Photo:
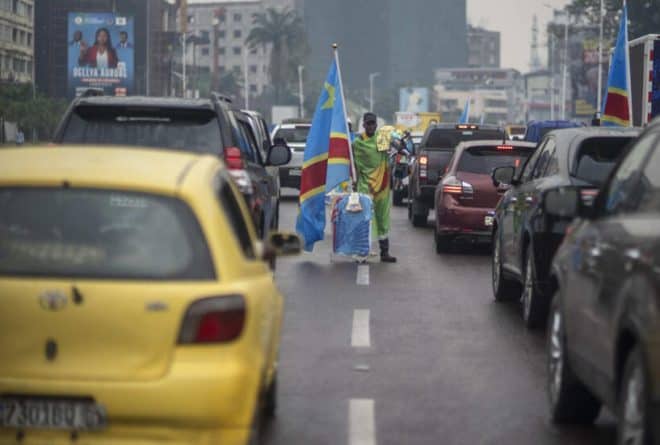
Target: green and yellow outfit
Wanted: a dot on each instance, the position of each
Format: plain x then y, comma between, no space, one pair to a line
373,178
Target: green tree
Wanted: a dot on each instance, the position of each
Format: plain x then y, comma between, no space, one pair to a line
282,31
37,115
643,15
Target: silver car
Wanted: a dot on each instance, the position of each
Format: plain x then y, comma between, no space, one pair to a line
295,135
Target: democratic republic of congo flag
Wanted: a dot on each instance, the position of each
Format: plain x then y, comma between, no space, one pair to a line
327,159
617,107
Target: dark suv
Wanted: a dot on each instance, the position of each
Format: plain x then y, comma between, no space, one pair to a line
524,237
205,126
434,153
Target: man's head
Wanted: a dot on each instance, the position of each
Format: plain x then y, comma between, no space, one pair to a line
77,36
370,123
123,37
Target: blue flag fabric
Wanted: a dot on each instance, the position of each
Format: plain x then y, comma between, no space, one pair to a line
326,162
616,108
465,116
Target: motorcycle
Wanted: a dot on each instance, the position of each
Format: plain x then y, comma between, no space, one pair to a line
400,160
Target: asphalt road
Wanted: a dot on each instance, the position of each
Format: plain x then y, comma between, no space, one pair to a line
418,353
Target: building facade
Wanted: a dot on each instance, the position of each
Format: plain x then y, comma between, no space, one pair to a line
483,48
404,41
16,40
152,42
218,31
497,95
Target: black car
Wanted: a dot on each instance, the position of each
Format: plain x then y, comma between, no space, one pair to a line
604,325
205,126
434,153
524,238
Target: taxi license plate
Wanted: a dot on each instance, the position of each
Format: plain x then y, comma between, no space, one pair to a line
294,172
488,221
51,414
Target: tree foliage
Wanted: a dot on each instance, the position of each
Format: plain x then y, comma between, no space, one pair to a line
283,32
643,15
39,115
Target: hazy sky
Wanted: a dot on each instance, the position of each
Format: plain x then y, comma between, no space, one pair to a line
513,19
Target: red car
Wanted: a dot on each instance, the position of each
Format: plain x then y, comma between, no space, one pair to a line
466,198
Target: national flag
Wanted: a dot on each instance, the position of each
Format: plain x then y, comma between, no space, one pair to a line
617,109
465,117
327,161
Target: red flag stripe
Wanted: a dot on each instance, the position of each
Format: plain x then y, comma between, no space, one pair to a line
617,106
338,148
313,176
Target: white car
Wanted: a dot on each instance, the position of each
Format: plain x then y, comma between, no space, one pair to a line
295,135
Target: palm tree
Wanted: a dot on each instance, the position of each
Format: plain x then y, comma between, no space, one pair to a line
282,31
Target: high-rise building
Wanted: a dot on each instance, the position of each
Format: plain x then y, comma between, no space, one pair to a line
16,40
403,40
228,22
144,65
483,48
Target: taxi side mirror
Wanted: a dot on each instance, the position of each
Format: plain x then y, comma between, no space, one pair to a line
563,202
503,175
279,154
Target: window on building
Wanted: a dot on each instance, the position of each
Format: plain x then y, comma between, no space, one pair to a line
236,68
14,35
222,69
236,50
237,33
253,69
238,17
205,51
29,67
29,39
253,51
205,36
221,34
14,7
222,50
253,88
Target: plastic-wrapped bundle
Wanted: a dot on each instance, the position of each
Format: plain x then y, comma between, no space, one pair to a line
352,230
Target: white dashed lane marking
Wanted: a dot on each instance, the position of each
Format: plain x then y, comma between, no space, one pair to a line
362,278
362,426
360,336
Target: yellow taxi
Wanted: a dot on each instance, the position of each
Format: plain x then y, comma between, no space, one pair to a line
136,305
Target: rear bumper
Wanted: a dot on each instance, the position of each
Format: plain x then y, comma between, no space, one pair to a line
287,179
206,397
452,219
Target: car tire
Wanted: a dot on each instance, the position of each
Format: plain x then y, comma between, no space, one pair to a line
634,410
570,400
534,306
420,214
397,198
410,210
443,243
503,288
270,399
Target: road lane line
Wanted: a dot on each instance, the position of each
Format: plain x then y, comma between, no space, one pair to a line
362,278
360,336
362,424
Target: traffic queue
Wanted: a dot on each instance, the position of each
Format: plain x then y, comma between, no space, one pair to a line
573,224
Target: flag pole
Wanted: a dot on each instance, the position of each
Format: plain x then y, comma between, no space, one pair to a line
343,101
629,85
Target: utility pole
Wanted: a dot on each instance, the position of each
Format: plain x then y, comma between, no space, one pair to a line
246,90
564,74
301,93
552,76
599,104
183,18
372,77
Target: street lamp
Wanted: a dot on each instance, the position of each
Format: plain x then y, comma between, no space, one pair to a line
600,60
301,93
372,77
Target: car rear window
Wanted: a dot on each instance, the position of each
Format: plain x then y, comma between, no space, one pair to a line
483,160
596,157
451,138
173,128
297,135
63,232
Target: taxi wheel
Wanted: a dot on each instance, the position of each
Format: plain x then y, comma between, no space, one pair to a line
534,306
635,414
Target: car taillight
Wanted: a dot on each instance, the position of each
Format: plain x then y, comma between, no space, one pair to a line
588,196
213,320
233,158
455,187
423,166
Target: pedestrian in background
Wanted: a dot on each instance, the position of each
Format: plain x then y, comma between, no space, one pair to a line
373,178
20,137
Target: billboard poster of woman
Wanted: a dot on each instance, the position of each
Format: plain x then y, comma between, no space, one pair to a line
100,53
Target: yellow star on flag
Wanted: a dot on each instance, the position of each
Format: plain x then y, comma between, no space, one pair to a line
330,103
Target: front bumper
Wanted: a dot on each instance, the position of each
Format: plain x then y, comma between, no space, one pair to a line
457,220
290,177
205,398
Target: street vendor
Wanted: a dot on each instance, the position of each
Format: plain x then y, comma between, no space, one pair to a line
373,178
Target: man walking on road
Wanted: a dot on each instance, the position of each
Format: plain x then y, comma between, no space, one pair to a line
373,178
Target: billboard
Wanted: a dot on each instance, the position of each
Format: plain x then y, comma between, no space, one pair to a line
583,70
414,100
101,53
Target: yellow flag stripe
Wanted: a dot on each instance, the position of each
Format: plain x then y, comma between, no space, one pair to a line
313,192
335,161
617,91
320,158
338,135
615,120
